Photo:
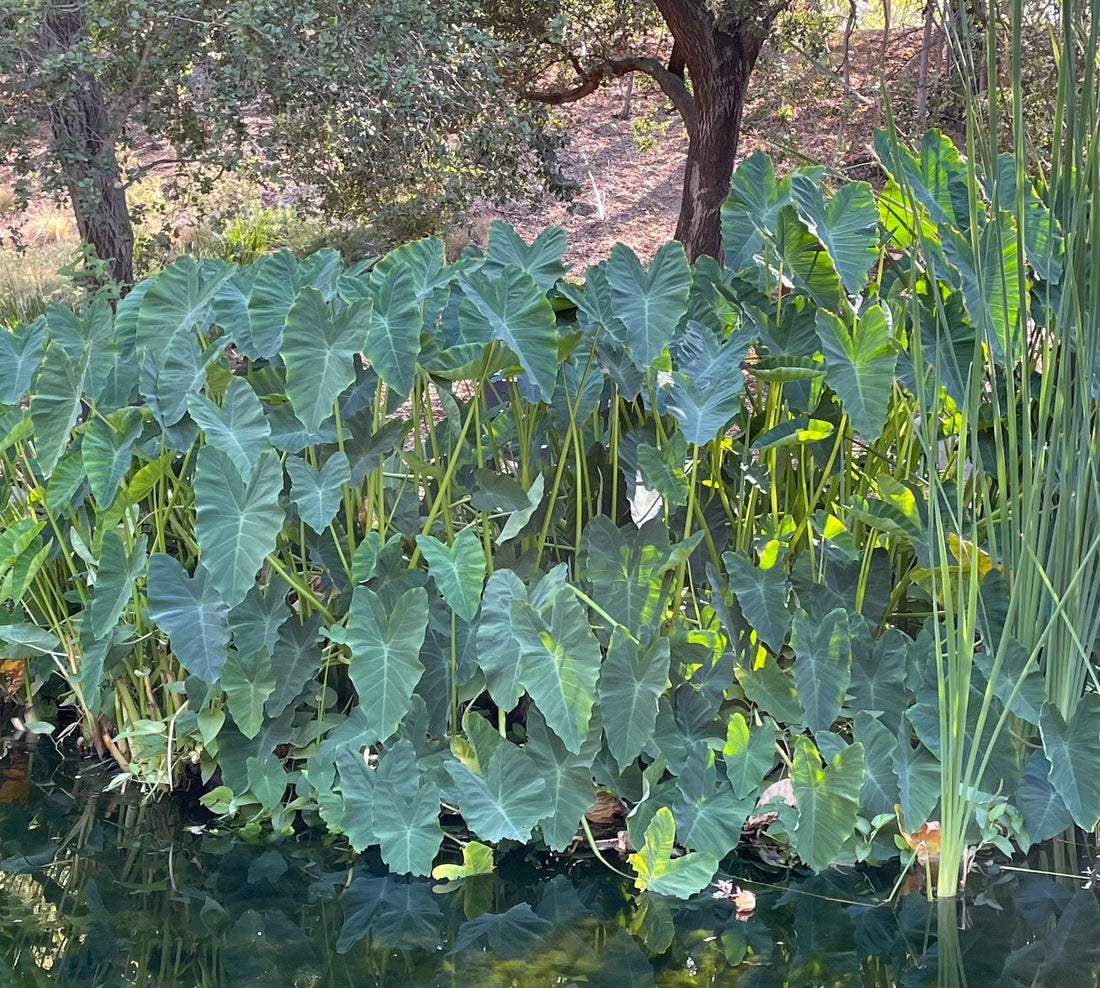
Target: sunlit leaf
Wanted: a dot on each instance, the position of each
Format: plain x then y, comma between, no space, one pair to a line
649,302
238,427
458,570
632,680
847,226
656,869
822,665
828,801
748,755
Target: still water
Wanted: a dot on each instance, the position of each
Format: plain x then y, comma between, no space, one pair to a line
101,889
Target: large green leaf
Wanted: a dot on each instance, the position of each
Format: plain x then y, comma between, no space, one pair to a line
632,680
238,428
21,352
993,290
458,570
385,654
860,366
847,226
295,660
879,792
274,289
706,381
396,321
317,494
510,307
650,302
541,259
771,688
317,349
55,406
237,522
179,299
508,802
498,652
939,179
802,260
569,784
192,613
256,620
918,772
828,801
749,211
1073,750
822,665
748,755
561,663
248,681
107,449
710,814
115,577
658,871
357,785
1044,812
627,567
762,594
406,827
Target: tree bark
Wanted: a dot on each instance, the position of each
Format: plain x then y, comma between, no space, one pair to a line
84,144
719,54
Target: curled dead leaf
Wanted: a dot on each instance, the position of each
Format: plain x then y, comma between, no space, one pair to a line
607,809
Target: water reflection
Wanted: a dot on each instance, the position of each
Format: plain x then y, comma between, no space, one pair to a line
99,889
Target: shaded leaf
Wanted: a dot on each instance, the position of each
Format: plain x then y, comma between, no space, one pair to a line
508,802
649,302
238,427
632,680
458,570
318,494
192,613
248,681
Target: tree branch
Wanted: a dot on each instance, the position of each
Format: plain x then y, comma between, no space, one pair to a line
591,79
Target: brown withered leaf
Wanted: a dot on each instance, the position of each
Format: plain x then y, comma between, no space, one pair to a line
607,809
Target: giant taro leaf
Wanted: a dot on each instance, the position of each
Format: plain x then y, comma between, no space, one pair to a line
706,381
192,613
393,340
569,784
650,302
938,179
318,347
508,802
55,406
248,681
20,354
510,308
1044,812
709,812
458,570
295,659
632,679
541,259
658,871
847,226
802,260
627,567
385,654
828,801
406,826
749,211
748,755
274,289
561,663
1073,749
238,427
179,299
822,665
115,577
107,450
237,522
762,595
860,366
317,494
498,651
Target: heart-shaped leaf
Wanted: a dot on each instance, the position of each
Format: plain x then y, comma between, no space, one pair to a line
632,680
385,654
396,321
55,406
541,259
706,382
649,302
21,352
317,494
238,428
458,570
115,577
407,827
569,784
658,871
1073,749
847,226
192,613
107,450
822,666
248,681
828,801
762,595
508,802
237,522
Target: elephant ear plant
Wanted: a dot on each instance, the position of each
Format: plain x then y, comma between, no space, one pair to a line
424,550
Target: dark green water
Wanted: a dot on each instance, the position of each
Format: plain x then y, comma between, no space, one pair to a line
100,889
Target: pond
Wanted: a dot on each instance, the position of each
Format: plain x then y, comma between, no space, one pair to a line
100,888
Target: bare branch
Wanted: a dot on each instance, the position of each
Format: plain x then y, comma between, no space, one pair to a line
592,78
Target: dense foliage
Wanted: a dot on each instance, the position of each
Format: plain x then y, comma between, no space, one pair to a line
677,533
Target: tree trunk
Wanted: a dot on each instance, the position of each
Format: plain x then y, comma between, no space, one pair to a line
719,58
84,144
